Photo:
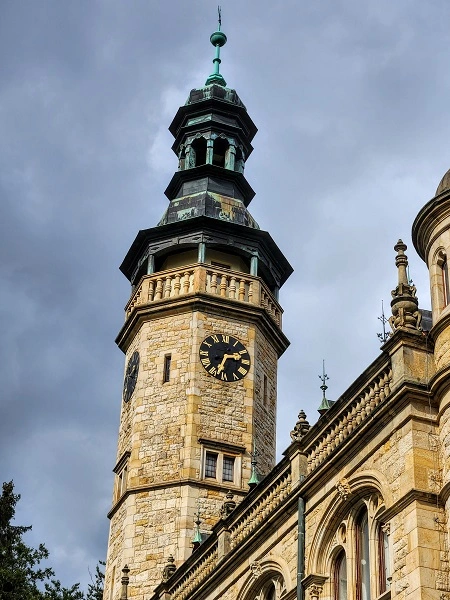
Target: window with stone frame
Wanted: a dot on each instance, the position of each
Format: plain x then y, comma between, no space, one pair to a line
221,462
365,537
121,471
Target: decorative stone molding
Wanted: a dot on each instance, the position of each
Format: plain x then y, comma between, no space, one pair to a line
256,569
343,488
315,591
301,427
169,568
404,304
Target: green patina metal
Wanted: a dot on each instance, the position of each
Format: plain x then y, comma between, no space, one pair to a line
217,39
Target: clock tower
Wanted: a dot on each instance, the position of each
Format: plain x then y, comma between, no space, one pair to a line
201,338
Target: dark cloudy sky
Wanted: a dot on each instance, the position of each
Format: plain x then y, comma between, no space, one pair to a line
351,101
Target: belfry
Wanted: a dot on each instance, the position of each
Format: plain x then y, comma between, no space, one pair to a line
202,336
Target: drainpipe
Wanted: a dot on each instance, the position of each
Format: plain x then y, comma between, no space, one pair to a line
300,548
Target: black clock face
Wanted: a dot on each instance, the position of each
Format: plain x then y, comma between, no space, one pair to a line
224,357
131,375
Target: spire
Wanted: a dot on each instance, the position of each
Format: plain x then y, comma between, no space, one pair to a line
254,478
197,540
217,39
404,303
325,404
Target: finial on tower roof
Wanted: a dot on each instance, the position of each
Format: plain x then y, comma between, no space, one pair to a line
325,404
383,337
218,39
404,303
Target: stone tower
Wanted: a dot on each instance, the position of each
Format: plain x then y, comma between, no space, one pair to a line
202,336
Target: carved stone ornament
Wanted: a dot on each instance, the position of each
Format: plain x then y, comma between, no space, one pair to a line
301,427
404,304
256,569
169,568
228,506
315,591
386,528
343,488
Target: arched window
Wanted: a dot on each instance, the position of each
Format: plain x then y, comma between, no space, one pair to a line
270,592
198,146
220,149
340,577
445,282
362,557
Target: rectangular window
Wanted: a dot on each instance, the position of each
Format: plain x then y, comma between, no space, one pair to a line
211,465
228,468
166,373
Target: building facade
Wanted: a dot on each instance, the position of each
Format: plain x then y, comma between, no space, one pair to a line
357,508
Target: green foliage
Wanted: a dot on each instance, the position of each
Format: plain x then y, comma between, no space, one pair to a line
95,589
20,566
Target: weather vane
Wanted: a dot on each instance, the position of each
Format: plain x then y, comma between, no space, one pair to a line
383,337
323,378
219,10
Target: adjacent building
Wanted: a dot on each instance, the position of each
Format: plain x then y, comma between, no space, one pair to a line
357,508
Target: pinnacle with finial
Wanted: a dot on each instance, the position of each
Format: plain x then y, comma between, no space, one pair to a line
197,540
325,404
404,303
217,39
254,478
301,427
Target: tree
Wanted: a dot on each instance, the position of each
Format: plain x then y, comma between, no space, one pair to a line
20,569
95,589
55,591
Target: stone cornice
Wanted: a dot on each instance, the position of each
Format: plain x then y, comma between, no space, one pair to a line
424,229
217,305
177,483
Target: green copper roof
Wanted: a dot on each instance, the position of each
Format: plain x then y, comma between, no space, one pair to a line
217,39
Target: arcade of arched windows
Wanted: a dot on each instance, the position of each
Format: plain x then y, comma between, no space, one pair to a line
355,557
211,149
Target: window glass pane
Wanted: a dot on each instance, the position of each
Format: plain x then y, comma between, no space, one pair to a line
363,547
341,578
228,468
270,593
210,465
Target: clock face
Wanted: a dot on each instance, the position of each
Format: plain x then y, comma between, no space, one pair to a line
131,375
224,357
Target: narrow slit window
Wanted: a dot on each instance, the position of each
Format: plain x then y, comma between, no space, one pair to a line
265,398
166,373
228,468
211,465
445,282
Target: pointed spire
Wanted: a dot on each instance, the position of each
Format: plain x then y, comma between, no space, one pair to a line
217,39
404,303
325,404
301,427
254,478
197,539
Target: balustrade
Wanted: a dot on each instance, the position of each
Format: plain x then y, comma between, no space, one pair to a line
350,418
204,279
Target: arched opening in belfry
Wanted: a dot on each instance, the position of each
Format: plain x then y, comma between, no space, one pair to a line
182,159
239,161
220,148
199,147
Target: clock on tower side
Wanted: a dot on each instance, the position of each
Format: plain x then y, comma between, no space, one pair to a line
202,336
